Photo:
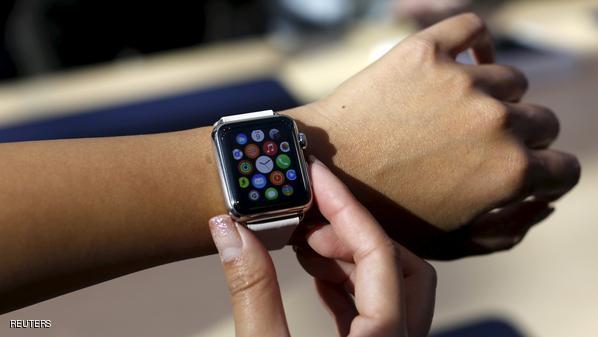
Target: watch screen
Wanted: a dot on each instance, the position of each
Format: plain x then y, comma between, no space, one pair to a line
261,165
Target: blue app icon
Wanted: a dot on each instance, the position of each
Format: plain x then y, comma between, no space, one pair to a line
237,154
275,134
241,138
287,190
259,180
254,195
291,175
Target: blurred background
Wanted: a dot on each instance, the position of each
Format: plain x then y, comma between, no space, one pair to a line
85,68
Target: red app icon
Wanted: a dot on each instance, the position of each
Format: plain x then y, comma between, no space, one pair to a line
277,178
252,151
270,148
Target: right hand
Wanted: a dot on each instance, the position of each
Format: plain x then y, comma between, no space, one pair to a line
447,142
393,290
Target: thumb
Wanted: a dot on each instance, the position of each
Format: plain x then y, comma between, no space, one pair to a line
251,278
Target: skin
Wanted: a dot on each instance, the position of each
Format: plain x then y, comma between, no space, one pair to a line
370,285
440,144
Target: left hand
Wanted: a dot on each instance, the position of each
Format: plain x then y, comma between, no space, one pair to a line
446,155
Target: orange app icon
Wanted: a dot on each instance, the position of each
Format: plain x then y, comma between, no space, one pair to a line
252,151
277,178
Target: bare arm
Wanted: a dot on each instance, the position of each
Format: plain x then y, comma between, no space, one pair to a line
416,137
76,212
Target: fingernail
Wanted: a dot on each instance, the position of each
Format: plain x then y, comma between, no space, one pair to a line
226,237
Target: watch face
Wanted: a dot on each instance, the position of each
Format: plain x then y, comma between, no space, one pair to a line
262,165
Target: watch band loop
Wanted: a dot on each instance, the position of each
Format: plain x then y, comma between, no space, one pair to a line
275,234
246,116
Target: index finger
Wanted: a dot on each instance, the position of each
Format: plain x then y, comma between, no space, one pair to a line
378,277
459,33
353,224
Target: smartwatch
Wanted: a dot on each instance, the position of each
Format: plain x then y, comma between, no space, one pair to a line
263,173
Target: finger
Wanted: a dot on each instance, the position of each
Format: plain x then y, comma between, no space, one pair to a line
493,231
378,276
420,292
534,125
353,224
502,82
506,227
251,280
325,242
553,173
459,33
339,304
333,271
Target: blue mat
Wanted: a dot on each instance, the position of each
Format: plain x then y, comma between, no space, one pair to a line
161,114
483,328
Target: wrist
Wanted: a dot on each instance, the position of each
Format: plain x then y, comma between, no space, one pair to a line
323,133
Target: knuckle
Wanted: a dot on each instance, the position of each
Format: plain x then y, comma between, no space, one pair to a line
389,248
495,114
519,165
463,80
257,281
518,77
551,121
474,21
421,48
573,169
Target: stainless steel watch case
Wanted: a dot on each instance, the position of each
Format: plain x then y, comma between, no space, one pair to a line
300,141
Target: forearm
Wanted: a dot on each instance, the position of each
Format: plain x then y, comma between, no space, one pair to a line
77,212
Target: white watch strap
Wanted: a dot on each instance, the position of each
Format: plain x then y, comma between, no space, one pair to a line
246,116
275,234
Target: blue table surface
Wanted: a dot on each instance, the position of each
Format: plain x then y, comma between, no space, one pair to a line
161,114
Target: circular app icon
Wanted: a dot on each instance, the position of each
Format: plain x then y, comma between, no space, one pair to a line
252,151
276,178
271,193
264,164
259,180
243,182
285,147
237,154
254,195
270,148
287,190
241,139
291,175
283,161
245,167
257,135
275,134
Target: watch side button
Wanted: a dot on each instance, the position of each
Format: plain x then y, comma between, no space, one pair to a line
302,140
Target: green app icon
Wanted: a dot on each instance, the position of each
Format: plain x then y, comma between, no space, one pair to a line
243,182
271,193
283,161
245,167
